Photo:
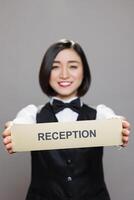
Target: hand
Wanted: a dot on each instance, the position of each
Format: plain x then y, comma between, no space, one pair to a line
7,137
125,132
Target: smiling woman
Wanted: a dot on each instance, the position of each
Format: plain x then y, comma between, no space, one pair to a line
59,174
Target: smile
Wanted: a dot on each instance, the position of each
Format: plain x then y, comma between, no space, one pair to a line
64,83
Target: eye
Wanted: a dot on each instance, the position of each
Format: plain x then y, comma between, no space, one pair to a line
55,67
73,66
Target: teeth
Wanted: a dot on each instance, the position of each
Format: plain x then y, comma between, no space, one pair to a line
64,83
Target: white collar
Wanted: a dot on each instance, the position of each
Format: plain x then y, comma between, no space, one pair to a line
65,101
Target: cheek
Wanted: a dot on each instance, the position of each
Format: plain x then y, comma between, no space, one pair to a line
51,79
52,76
78,76
81,76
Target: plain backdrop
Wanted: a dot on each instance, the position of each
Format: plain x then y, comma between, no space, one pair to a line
105,29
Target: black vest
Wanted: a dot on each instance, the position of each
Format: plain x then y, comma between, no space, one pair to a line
75,174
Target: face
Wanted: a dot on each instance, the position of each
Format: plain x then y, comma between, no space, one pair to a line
66,74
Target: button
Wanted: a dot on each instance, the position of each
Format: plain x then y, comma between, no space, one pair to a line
69,178
70,195
69,161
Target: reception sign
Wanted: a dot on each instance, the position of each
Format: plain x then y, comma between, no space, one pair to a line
64,135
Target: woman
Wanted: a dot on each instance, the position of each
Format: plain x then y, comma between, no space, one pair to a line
75,174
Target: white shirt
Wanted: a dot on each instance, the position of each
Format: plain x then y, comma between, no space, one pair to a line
28,114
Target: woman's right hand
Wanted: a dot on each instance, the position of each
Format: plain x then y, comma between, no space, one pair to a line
7,137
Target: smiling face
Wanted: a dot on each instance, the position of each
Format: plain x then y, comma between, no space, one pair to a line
66,74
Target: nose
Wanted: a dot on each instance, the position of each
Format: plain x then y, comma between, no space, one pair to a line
64,74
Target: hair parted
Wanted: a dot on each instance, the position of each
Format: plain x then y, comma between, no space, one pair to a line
47,62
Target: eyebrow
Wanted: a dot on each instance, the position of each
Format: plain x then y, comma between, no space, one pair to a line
70,61
73,61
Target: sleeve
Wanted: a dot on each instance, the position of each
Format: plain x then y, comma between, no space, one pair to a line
104,112
26,115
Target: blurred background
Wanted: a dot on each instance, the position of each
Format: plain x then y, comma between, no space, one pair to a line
105,30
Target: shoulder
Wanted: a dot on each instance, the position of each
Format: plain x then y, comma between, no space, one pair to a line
27,114
102,111
105,112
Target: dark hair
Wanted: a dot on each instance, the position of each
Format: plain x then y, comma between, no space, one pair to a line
47,62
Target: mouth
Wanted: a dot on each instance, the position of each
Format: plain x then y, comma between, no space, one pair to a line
64,83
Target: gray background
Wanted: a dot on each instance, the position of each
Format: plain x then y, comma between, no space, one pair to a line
105,29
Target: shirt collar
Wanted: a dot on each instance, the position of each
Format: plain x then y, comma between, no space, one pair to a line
65,101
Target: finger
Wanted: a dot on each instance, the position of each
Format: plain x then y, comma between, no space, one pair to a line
124,144
8,124
7,140
125,140
10,151
126,124
6,132
9,148
125,132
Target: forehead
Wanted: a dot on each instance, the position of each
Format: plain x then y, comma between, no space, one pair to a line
67,55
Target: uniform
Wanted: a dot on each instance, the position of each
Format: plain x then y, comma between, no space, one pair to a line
67,174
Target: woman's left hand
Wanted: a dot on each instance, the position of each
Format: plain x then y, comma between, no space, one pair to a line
125,132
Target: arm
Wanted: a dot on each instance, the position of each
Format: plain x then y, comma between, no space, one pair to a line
26,115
